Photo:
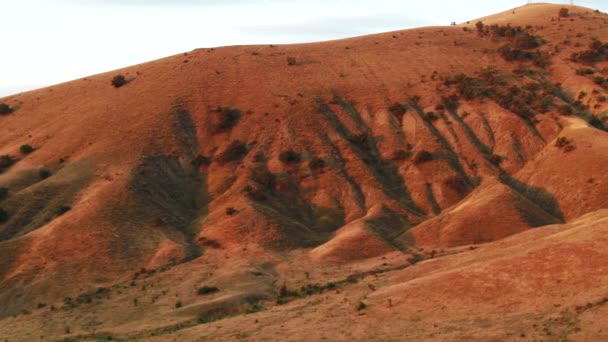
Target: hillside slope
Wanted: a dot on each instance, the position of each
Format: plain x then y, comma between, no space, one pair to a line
252,166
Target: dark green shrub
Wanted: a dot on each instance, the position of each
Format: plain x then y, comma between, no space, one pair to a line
401,155
398,110
289,157
228,118
4,215
263,177
6,161
201,160
3,193
178,304
44,173
230,211
207,290
563,12
585,71
423,157
431,116
359,139
235,151
316,163
599,80
597,52
26,149
62,210
361,306
118,81
5,109
496,159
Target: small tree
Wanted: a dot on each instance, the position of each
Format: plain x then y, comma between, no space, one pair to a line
207,290
5,109
316,163
4,215
6,161
118,81
44,173
289,157
26,149
563,12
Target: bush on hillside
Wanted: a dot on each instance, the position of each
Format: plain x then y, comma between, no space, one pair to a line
423,157
563,12
235,151
207,290
118,81
6,161
228,118
4,215
397,109
5,109
290,157
316,163
26,149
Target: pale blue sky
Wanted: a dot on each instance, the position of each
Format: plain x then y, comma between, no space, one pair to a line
45,42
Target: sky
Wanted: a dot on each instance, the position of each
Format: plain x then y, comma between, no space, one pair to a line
45,42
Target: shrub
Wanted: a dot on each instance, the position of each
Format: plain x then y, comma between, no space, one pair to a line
401,155
201,160
26,149
3,193
263,177
292,61
431,116
178,304
565,144
289,157
230,211
597,52
44,173
423,157
599,80
361,306
496,159
397,109
561,142
207,290
359,139
585,71
118,81
5,109
62,210
316,163
228,118
563,12
235,151
565,109
4,215
6,161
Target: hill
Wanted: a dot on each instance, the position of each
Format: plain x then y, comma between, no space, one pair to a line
286,184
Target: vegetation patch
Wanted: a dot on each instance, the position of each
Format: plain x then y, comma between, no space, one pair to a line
5,109
237,150
205,290
227,118
119,81
597,52
6,161
290,157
